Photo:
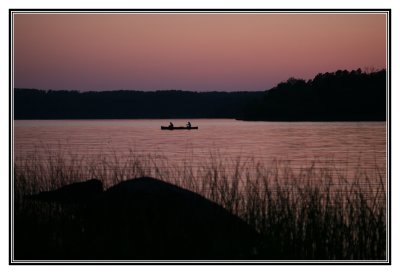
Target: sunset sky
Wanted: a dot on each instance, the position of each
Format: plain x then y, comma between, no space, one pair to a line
198,52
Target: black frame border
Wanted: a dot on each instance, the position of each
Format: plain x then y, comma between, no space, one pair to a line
388,260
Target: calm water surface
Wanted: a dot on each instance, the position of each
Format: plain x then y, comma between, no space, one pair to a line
345,145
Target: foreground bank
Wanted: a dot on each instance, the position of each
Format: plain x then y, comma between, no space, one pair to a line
275,214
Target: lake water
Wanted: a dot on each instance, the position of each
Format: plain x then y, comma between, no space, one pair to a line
348,146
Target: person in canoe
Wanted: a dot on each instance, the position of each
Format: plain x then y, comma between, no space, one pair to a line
171,125
188,125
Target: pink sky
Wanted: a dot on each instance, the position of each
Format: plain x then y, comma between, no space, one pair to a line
190,51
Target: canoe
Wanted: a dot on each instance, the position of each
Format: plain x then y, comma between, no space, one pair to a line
173,128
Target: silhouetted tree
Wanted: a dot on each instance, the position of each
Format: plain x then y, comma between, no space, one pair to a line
340,96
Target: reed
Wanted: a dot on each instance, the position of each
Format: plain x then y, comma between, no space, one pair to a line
314,212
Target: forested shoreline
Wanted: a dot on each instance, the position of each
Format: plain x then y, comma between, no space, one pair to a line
338,96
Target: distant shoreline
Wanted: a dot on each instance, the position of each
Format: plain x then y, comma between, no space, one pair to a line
203,118
335,96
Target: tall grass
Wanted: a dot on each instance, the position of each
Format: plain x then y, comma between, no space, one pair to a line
312,213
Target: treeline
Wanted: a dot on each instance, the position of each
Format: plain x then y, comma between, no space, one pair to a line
61,104
339,96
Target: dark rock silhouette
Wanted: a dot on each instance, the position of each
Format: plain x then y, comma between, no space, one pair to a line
140,219
73,193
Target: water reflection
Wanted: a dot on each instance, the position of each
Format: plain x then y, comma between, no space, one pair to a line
348,146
